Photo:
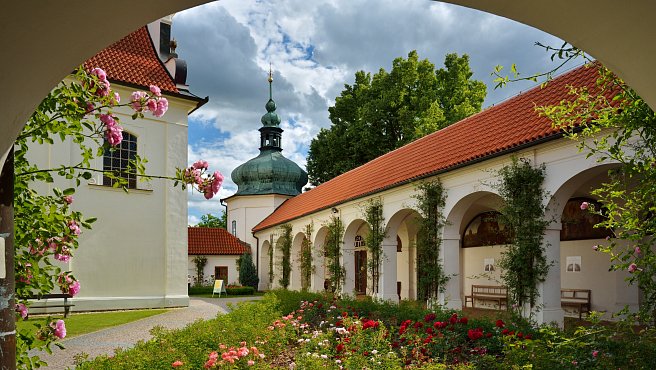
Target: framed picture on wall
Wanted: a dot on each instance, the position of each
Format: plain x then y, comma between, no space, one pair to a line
573,264
488,264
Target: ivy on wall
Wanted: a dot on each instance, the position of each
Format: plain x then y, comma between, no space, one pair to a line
285,244
373,214
200,262
333,253
523,262
305,257
431,279
271,272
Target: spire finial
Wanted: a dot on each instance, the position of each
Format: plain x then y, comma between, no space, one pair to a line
270,81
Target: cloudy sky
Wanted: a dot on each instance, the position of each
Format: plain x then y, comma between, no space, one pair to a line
315,48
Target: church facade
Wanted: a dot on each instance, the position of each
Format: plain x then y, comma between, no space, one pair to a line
136,254
465,157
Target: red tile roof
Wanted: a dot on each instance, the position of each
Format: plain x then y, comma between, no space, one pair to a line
214,240
499,129
134,60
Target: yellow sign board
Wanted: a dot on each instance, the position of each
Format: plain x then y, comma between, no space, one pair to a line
219,288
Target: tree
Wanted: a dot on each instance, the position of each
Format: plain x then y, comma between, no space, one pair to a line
210,220
247,271
380,113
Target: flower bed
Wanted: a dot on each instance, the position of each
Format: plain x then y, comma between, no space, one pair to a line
326,333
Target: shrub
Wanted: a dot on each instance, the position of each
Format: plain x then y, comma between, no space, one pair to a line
247,272
197,290
240,290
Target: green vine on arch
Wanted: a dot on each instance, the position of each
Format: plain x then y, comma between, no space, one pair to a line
373,214
431,278
305,257
271,272
285,243
333,253
524,263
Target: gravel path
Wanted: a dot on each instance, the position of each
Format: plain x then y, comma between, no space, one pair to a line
127,335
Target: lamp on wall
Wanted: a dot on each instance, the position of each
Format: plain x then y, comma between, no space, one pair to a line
334,210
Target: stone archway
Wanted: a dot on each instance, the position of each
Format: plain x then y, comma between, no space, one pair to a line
265,283
320,275
400,256
458,216
356,227
295,260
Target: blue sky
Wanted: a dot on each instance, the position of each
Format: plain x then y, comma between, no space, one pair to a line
315,48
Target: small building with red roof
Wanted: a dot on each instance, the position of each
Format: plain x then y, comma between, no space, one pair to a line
465,157
221,251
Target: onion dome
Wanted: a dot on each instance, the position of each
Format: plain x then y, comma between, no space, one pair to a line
270,172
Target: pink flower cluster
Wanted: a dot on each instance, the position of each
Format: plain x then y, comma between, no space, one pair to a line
59,329
22,309
154,102
232,354
113,132
68,284
209,185
102,87
74,227
68,199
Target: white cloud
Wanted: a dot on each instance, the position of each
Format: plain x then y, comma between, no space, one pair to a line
315,48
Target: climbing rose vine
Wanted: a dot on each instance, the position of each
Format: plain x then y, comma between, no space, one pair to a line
82,110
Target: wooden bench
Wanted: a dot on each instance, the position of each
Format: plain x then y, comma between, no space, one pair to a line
65,304
578,298
495,293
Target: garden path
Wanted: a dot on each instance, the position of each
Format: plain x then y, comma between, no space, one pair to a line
127,335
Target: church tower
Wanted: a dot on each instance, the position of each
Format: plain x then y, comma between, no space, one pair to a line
264,182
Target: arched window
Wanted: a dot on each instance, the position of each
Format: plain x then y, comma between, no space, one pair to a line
359,241
118,159
485,229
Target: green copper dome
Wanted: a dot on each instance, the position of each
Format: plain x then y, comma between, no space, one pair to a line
270,172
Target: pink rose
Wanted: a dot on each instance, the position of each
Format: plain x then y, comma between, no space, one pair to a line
584,206
595,247
22,309
59,329
162,107
633,267
151,104
155,90
637,250
137,100
251,362
98,72
200,165
177,363
217,181
595,353
68,199
74,288
73,226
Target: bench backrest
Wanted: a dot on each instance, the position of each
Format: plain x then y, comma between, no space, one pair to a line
577,294
489,289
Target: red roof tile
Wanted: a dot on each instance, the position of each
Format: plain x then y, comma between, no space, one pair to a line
214,240
133,59
501,128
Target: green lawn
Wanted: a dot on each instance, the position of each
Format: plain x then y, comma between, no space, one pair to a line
223,295
83,323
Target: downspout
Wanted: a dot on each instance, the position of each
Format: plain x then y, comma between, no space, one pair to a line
226,212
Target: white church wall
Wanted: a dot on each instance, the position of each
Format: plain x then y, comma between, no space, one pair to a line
134,257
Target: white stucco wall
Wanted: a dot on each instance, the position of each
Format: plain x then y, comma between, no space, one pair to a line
213,261
469,191
135,255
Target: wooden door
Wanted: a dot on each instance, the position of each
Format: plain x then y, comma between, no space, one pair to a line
361,272
221,273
